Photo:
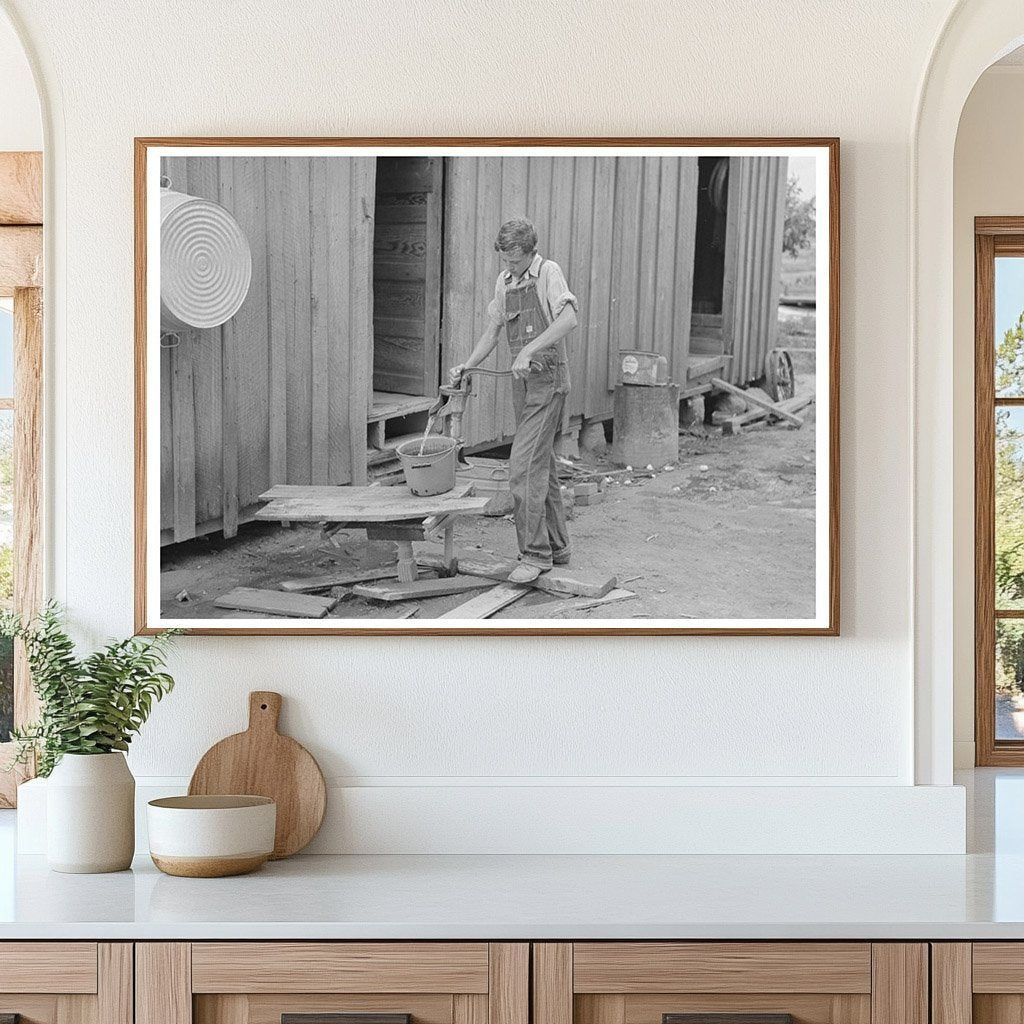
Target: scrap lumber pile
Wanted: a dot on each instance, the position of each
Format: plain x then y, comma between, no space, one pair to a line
760,408
490,575
483,578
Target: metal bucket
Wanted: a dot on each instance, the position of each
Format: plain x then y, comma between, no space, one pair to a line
205,262
433,471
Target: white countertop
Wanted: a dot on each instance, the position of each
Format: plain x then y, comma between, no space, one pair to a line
977,896
495,897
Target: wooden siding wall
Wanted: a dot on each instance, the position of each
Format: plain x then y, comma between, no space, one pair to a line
757,208
280,393
622,229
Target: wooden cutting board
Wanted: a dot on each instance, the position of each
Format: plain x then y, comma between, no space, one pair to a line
262,762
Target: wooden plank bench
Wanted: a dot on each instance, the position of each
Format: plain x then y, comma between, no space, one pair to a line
386,513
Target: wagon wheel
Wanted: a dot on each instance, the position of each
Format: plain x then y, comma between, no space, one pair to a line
780,381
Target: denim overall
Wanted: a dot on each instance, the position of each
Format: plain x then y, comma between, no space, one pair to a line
538,400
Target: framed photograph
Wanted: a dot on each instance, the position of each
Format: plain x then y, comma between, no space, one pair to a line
487,386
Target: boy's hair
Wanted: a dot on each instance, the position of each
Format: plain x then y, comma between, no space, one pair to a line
516,234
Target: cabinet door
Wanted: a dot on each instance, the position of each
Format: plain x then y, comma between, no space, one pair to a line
332,983
66,983
981,982
730,983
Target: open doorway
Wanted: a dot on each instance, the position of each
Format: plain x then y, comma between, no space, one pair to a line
407,277
407,255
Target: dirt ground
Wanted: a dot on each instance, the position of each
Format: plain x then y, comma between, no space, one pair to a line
728,532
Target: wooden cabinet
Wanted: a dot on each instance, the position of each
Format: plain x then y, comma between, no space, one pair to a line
759,982
66,982
494,983
306,982
977,983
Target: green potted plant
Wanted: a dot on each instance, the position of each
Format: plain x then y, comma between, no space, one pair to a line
90,707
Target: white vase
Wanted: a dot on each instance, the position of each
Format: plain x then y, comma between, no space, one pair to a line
90,814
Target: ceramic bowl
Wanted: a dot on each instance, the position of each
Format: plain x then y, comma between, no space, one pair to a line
211,836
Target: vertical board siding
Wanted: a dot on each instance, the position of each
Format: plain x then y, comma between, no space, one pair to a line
514,203
685,249
280,393
202,180
580,248
594,332
457,328
359,329
251,327
757,188
339,254
491,392
622,230
320,329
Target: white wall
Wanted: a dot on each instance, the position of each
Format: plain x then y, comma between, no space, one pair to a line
428,717
21,127
987,181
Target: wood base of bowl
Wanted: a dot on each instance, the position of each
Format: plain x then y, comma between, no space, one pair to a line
209,867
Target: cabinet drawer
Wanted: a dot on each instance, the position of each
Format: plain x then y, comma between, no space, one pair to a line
332,983
730,983
66,982
66,967
749,967
340,967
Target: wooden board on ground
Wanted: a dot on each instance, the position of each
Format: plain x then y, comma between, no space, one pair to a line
483,606
772,407
557,609
276,602
557,581
314,504
418,590
311,584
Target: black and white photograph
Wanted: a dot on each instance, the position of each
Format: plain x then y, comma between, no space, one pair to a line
431,386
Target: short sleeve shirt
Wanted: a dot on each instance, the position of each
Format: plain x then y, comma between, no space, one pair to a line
552,289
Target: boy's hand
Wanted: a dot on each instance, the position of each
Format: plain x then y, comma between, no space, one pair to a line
523,366
456,372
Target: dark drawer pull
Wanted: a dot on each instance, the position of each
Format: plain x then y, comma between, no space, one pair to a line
727,1018
340,1018
10,1018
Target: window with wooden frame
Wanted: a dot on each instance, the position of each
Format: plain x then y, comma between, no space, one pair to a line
21,365
999,490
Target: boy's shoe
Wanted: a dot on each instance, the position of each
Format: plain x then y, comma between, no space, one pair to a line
561,557
525,573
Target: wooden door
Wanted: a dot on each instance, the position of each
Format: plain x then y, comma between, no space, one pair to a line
407,275
977,983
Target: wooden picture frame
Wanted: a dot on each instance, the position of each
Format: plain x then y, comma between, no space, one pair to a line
993,237
21,282
328,225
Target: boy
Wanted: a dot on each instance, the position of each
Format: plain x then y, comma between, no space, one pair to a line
532,304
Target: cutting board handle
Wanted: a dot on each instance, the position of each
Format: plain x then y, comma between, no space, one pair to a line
264,710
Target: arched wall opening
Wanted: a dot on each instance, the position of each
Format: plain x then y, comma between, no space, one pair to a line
976,34
989,154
